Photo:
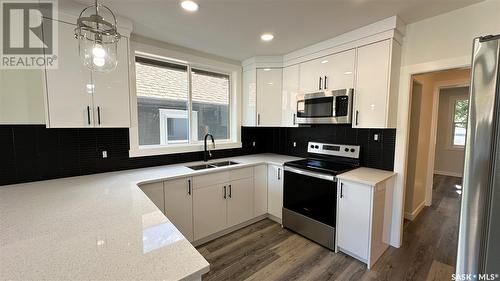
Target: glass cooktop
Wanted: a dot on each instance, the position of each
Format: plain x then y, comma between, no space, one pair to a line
322,165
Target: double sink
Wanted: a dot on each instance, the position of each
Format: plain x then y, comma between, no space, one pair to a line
212,165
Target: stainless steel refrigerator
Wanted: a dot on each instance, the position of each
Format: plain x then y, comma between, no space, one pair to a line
479,229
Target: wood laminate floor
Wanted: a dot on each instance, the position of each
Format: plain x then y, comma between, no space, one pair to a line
265,251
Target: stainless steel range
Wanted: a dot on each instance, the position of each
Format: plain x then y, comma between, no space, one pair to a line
310,190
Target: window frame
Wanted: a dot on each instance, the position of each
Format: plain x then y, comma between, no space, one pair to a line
451,143
231,70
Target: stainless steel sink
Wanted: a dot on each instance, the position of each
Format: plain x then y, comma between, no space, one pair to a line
212,165
202,167
224,163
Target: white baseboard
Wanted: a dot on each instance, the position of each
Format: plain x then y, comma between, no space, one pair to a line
411,216
451,174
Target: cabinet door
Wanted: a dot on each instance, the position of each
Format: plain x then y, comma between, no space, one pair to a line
339,70
209,210
179,205
68,87
240,206
275,190
111,92
260,189
154,191
353,218
249,98
269,97
310,74
372,85
289,97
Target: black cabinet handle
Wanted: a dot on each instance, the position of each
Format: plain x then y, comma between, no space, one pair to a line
189,187
326,83
98,115
225,194
258,119
230,189
320,82
341,190
294,119
88,114
357,113
279,173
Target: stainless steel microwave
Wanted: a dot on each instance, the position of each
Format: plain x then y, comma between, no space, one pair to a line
329,107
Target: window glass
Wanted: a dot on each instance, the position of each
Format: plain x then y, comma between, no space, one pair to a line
162,102
210,99
460,114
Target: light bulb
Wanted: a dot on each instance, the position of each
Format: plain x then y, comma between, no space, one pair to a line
98,61
98,51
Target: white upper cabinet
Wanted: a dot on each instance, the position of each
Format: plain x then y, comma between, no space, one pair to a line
269,103
249,98
77,97
289,96
328,73
111,92
375,91
69,86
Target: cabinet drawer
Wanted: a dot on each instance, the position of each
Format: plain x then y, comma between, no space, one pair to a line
222,177
242,173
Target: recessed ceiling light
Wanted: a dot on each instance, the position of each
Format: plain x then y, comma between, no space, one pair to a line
189,5
325,61
267,37
267,69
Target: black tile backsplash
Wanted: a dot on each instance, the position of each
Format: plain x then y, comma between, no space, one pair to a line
375,154
33,152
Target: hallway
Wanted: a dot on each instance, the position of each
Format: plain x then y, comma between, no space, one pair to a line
265,251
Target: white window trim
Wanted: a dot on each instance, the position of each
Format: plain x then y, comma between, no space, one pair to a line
451,123
154,52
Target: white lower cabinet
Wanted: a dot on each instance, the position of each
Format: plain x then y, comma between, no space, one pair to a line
240,203
155,193
179,205
209,210
363,224
260,190
275,190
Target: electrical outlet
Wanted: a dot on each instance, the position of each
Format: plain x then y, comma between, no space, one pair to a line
104,154
253,144
294,144
375,137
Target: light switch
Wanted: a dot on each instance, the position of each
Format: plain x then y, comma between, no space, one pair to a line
294,144
375,137
104,154
253,144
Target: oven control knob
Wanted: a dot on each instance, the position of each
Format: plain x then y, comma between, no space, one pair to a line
316,146
352,150
346,149
312,146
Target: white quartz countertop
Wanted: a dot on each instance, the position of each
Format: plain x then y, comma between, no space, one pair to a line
366,176
99,227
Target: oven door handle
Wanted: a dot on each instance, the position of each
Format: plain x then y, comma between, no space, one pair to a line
311,174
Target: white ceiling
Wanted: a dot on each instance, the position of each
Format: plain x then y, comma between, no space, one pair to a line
232,28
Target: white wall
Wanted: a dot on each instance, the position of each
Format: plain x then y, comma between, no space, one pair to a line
448,160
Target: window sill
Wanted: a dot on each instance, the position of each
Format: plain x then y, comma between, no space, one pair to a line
180,148
455,148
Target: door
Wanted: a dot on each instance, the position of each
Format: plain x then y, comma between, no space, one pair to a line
111,92
240,206
179,205
311,76
372,86
154,191
269,97
68,87
353,219
275,190
209,210
339,70
289,98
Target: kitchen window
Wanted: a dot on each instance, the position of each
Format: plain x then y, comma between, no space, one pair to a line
459,122
177,105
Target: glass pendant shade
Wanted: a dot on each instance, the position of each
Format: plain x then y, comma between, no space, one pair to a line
98,38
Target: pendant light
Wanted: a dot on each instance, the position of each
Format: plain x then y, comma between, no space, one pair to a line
98,38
